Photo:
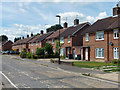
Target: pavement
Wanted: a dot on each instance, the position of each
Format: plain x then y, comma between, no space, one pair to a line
43,74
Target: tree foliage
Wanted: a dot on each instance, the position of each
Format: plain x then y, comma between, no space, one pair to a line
48,49
3,38
54,28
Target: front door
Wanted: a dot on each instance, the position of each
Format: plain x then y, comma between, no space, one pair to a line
86,54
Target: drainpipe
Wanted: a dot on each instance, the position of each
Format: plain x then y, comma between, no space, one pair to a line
107,45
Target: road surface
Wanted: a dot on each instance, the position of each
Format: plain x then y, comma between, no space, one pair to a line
34,74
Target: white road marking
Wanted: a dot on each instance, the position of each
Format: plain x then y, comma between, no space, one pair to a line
9,81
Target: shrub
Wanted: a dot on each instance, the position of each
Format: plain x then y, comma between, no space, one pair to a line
35,56
23,54
29,55
39,51
56,55
48,49
116,61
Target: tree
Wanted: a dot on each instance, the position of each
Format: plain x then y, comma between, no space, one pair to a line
39,51
3,38
54,28
48,49
16,39
57,46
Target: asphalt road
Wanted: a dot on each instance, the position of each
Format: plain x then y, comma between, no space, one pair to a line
34,74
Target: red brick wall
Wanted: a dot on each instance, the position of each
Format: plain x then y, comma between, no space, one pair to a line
7,46
100,44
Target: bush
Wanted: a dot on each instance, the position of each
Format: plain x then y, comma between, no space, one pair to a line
23,54
39,51
29,55
56,55
116,61
35,56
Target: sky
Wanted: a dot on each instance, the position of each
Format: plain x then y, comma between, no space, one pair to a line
21,18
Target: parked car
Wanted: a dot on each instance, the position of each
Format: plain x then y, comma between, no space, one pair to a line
3,52
7,52
16,52
12,52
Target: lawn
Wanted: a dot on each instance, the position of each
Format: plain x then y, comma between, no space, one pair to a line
90,64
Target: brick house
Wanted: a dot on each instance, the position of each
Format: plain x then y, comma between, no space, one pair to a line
38,41
6,45
101,40
70,39
22,43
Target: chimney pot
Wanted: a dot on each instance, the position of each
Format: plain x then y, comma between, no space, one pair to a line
27,36
116,10
41,31
23,37
65,25
76,21
20,38
31,34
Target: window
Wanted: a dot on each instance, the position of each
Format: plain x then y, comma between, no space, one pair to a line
61,52
99,52
52,41
31,50
36,43
116,53
31,44
68,39
23,45
100,35
87,37
62,40
116,34
40,43
47,41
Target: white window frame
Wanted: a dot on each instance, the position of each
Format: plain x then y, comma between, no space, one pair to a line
116,53
53,41
116,31
31,44
61,39
97,50
69,39
36,43
32,51
40,43
98,36
87,37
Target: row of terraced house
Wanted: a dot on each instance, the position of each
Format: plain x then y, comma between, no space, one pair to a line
94,42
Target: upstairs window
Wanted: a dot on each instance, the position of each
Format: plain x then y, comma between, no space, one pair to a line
62,40
36,43
100,35
53,41
116,34
68,39
31,44
87,37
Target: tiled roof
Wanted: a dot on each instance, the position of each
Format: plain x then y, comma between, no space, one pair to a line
23,41
103,24
40,37
67,31
56,34
4,42
73,29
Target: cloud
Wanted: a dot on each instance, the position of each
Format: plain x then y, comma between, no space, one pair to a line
22,10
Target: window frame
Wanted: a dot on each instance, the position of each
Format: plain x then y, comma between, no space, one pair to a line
114,31
87,37
97,33
53,41
116,51
36,43
99,50
69,39
62,40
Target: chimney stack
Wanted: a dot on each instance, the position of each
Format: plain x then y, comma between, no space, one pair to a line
31,34
76,21
116,10
27,36
20,38
65,25
23,37
41,32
